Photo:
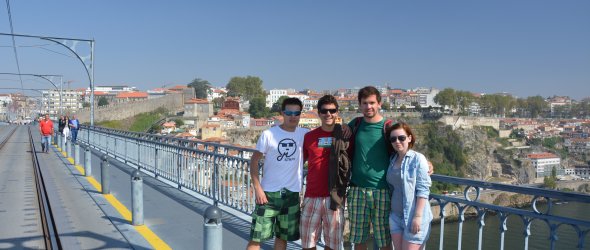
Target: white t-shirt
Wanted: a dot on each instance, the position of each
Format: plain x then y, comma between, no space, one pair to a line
283,159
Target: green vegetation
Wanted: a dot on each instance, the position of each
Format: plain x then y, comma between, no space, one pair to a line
111,124
500,104
258,108
138,123
551,181
102,101
248,87
442,146
202,87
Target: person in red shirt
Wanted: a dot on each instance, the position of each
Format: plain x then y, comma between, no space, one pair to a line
46,130
317,213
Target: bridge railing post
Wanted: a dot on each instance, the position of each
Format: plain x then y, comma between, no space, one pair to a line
137,198
212,229
104,175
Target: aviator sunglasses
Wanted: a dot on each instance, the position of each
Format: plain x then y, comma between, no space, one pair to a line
291,113
325,111
401,138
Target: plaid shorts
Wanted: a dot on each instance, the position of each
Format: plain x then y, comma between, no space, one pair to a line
369,205
317,216
279,217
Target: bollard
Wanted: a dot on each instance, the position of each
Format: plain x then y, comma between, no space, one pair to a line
55,138
68,147
87,161
104,174
212,229
137,198
59,142
76,154
63,144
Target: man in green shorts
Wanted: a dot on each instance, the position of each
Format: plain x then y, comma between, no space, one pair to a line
277,211
369,197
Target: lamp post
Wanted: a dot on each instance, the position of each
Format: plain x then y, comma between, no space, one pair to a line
45,77
89,68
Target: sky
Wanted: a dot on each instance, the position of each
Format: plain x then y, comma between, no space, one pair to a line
525,48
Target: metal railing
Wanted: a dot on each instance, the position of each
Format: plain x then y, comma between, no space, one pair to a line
221,172
471,201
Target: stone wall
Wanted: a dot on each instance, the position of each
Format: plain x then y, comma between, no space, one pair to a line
470,122
120,111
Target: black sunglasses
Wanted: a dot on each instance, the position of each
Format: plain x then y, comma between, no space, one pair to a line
325,111
401,138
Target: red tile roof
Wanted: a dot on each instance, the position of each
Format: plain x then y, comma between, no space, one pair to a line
132,95
197,101
542,156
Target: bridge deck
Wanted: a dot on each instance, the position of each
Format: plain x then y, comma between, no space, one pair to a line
19,209
87,219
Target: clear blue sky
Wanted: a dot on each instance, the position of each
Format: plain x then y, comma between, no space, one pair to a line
521,47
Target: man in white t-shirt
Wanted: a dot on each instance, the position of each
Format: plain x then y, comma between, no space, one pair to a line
277,209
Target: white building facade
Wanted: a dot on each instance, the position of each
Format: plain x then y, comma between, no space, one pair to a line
544,163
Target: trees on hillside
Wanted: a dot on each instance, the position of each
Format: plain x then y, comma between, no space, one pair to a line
248,87
496,104
201,87
258,108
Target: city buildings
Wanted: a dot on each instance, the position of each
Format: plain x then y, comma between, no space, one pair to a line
544,163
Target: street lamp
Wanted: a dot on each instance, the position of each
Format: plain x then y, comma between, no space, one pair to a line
60,90
89,68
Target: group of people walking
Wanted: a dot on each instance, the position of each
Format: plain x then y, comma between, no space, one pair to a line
68,128
367,165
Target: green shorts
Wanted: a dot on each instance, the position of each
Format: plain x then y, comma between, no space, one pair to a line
369,205
279,217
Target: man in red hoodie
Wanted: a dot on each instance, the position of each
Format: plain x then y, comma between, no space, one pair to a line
46,130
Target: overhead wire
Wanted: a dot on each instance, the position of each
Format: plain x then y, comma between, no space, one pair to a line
14,44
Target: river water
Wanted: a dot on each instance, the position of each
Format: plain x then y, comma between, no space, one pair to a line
514,236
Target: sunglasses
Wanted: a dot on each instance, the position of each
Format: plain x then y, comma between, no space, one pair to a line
325,111
401,138
291,113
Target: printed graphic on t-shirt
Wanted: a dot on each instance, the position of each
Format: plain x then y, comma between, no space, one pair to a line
287,148
324,142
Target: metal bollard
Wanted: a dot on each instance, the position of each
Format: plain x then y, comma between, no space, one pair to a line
104,175
76,153
59,142
68,147
63,144
87,161
137,198
55,138
212,229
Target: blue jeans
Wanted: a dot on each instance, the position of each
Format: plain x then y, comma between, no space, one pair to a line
74,134
45,142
